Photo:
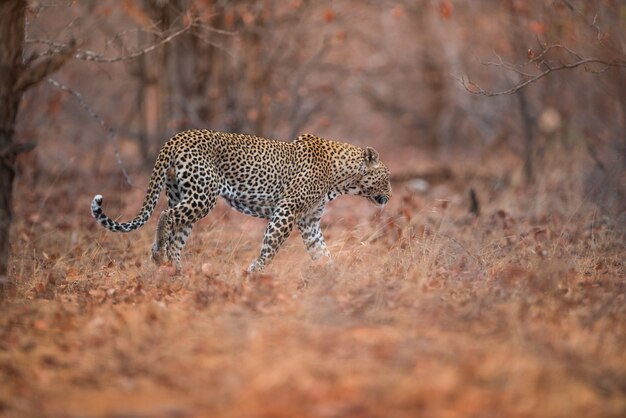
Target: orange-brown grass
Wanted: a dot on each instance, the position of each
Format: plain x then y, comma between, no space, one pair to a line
426,310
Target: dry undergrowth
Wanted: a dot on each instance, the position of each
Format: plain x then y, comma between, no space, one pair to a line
426,311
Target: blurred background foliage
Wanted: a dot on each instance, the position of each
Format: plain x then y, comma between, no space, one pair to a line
389,73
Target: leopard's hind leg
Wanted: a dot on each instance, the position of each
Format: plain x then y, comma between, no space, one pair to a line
161,251
186,206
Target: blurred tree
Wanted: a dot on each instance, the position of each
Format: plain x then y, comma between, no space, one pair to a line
20,70
245,67
17,74
248,70
156,73
556,38
409,79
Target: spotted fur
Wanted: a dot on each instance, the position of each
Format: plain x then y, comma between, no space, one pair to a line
287,183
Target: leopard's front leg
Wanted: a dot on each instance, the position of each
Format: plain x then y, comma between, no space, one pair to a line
278,229
309,226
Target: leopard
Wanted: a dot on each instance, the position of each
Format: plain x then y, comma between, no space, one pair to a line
288,183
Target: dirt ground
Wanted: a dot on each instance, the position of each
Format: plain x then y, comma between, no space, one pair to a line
426,310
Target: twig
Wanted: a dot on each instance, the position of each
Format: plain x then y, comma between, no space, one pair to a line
87,55
538,60
37,71
593,23
110,131
476,89
507,66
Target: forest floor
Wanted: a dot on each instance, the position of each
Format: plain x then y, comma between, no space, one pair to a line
426,310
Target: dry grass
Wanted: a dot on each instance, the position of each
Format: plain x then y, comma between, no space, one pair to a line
426,311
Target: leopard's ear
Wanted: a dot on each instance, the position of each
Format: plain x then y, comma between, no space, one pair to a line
371,157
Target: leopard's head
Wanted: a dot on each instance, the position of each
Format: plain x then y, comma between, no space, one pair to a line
373,183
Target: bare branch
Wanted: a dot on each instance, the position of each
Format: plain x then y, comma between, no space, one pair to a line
507,66
593,23
34,73
12,148
87,55
110,131
540,60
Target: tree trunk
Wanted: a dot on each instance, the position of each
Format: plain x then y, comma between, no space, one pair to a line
528,127
11,44
16,77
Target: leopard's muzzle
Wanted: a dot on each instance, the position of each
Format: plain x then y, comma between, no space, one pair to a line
380,200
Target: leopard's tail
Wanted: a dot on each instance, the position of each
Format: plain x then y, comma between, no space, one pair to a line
157,180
